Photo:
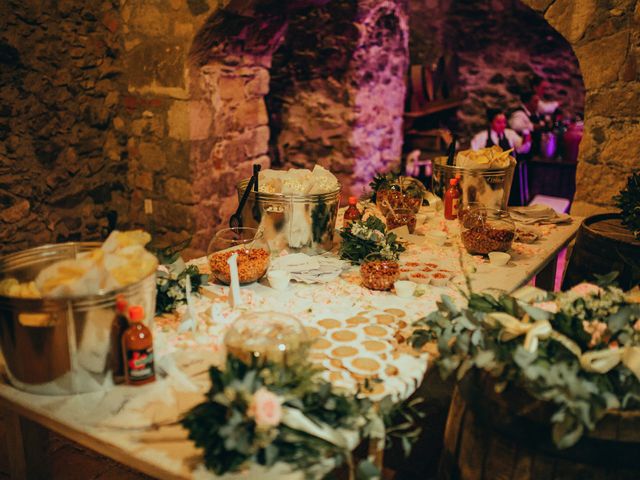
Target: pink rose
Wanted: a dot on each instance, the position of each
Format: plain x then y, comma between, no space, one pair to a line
265,408
585,289
551,307
636,326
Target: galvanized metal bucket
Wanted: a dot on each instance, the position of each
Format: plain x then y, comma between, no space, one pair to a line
61,346
297,223
489,187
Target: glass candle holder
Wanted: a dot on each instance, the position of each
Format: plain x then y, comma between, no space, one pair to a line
259,337
378,272
413,192
487,230
251,248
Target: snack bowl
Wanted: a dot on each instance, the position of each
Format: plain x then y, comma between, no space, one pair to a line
378,272
439,279
279,279
499,258
487,230
252,252
405,288
437,237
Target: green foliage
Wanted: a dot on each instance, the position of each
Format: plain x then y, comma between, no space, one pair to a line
628,201
470,338
171,279
230,437
381,180
364,237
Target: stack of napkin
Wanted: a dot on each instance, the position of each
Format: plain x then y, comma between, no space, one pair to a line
310,269
539,214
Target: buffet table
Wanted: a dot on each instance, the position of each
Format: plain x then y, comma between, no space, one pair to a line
136,425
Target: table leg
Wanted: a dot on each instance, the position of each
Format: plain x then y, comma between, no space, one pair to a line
546,279
27,444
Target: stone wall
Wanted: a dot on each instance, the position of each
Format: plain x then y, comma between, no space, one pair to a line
606,39
106,104
337,90
501,45
63,165
161,116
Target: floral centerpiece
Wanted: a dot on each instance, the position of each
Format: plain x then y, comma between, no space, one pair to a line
171,278
368,236
577,350
268,412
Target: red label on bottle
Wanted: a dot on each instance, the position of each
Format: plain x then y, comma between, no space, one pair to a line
140,364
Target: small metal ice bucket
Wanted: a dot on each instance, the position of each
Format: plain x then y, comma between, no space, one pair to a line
490,187
70,354
298,223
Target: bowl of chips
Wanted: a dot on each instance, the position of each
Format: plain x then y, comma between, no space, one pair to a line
57,305
485,176
296,209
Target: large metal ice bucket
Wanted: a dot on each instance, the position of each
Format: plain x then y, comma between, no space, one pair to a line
71,353
297,223
490,187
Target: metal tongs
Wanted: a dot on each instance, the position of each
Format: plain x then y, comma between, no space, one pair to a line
236,219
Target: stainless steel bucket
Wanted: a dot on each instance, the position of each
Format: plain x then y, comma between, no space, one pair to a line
70,353
297,223
490,187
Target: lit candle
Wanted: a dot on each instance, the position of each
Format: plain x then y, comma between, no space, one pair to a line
234,287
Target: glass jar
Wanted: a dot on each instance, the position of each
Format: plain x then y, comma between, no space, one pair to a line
389,197
252,254
379,272
466,208
259,337
413,192
401,216
487,230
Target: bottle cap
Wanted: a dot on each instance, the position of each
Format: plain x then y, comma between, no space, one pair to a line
353,200
136,313
121,304
453,181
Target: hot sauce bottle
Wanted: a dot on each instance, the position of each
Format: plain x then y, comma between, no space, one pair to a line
452,200
118,327
352,213
137,349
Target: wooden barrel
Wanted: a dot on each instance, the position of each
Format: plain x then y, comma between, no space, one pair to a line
602,246
508,436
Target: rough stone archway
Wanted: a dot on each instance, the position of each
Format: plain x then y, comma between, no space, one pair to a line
606,42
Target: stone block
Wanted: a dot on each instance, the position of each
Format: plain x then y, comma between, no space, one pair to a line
571,18
601,60
258,86
144,181
147,19
539,5
622,146
174,216
617,101
583,208
598,183
16,212
256,141
250,114
178,120
152,156
200,118
179,191
230,88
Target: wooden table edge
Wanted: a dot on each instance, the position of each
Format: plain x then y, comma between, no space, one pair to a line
87,440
